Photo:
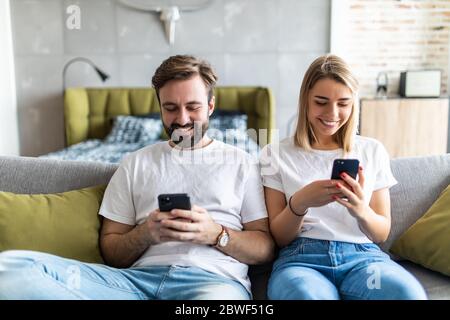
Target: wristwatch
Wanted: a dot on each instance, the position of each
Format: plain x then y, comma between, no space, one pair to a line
223,238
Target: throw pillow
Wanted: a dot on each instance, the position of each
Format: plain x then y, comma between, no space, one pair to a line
226,120
65,224
427,242
131,129
231,127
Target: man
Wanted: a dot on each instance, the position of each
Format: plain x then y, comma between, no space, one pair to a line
200,253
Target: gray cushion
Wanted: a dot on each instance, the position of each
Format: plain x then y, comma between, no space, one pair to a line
32,175
420,181
436,285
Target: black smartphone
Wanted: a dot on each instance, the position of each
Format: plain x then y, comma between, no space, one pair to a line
349,166
170,201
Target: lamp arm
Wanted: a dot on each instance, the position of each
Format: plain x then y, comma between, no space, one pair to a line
71,61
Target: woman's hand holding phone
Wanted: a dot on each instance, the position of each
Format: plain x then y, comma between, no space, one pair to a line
316,194
355,202
323,192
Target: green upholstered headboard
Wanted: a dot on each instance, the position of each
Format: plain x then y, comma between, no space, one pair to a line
88,111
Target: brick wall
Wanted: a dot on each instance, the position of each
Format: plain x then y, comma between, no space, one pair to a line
392,36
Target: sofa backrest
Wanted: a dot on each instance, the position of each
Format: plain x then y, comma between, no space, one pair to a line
37,175
420,182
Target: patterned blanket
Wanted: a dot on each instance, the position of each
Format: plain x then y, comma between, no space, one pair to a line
100,151
130,133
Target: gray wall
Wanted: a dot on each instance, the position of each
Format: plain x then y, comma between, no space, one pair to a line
250,42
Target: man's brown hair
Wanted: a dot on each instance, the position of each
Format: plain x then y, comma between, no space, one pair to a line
181,67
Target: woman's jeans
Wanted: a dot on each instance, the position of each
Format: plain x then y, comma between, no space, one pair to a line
35,275
319,269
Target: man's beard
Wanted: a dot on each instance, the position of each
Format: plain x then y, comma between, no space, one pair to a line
187,139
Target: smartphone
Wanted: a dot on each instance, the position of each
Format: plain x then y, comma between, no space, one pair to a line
349,166
170,201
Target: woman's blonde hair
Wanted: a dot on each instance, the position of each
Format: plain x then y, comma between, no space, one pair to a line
327,67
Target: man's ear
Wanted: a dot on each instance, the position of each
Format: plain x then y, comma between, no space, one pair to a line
211,105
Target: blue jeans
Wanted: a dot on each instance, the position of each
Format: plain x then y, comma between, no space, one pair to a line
35,275
330,270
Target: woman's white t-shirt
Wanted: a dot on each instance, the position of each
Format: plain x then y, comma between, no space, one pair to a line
288,168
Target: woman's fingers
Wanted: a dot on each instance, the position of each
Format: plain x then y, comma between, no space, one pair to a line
361,177
345,203
352,197
353,184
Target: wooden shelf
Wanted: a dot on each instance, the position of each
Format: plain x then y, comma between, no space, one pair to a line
407,127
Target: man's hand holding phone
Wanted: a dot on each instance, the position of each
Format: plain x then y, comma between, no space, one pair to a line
181,222
171,201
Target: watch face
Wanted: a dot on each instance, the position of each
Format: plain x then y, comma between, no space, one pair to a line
224,240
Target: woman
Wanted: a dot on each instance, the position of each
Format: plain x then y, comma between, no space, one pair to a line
328,228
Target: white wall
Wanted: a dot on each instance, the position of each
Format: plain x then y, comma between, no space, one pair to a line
9,142
338,26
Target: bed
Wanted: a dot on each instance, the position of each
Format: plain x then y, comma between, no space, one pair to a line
105,124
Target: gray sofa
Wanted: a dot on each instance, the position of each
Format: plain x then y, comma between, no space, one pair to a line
420,179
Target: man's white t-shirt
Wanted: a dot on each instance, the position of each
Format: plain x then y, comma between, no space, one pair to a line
288,168
222,179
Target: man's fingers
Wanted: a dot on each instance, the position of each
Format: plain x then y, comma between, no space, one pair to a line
186,214
176,235
158,215
184,225
198,209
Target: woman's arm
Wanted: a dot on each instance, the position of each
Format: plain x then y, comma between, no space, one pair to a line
377,223
286,222
374,219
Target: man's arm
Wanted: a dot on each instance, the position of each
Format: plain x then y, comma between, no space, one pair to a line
121,244
253,245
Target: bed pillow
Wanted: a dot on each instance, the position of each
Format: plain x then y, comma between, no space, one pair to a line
231,127
131,129
226,120
427,242
151,115
65,224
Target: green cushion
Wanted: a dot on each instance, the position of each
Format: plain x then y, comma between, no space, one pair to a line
65,224
427,242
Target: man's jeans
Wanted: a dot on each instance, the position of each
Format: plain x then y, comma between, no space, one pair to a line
35,275
319,269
